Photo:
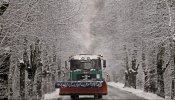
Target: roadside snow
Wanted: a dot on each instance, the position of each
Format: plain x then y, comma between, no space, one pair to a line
52,95
137,92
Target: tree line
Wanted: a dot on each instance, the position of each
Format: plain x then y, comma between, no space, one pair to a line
139,35
35,39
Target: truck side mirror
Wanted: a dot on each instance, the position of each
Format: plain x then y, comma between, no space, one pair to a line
66,65
104,63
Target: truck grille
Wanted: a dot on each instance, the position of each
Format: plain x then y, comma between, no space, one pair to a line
86,76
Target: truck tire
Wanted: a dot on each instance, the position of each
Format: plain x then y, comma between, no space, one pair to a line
99,96
74,97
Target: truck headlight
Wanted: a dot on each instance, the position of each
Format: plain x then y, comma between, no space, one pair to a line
98,76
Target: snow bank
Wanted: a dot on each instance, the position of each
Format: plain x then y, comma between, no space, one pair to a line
137,92
52,95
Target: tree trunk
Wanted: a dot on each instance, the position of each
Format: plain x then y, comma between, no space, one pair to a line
160,83
22,80
134,68
126,79
127,74
146,86
4,71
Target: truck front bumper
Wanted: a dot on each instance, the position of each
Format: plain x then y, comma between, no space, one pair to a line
84,91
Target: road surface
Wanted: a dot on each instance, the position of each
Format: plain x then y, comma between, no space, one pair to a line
114,94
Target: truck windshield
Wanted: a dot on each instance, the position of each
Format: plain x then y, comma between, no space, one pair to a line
84,64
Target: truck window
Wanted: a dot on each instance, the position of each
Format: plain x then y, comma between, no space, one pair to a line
91,64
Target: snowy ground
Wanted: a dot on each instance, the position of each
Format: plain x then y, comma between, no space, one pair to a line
137,92
52,95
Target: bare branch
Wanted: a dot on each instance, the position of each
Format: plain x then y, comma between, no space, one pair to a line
21,22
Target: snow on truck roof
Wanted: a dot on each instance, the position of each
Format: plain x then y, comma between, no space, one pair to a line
85,56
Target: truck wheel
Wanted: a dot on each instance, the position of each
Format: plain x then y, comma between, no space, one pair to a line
98,96
74,97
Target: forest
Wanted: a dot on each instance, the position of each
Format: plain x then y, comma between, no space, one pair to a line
135,36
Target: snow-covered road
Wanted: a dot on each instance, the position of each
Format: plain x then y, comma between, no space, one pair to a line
116,91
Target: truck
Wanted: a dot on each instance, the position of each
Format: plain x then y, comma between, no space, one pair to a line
85,77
